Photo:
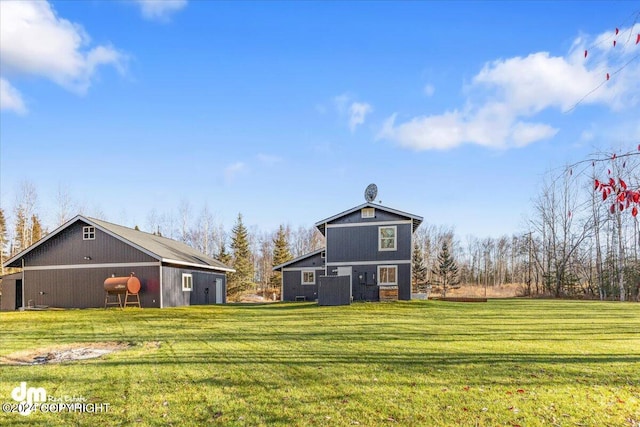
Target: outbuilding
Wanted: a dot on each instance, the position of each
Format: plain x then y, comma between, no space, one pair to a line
67,268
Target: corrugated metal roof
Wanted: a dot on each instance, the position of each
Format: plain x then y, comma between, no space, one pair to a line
300,258
169,250
162,248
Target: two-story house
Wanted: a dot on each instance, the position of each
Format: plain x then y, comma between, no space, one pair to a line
370,243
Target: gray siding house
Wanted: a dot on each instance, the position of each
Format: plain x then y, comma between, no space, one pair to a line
370,243
68,267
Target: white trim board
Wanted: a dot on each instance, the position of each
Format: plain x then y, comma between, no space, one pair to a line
381,262
318,268
366,224
84,266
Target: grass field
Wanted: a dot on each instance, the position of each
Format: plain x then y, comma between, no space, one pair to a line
432,363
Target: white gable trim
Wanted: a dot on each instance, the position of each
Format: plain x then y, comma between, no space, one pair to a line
364,224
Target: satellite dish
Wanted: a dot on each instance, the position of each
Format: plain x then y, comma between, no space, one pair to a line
370,192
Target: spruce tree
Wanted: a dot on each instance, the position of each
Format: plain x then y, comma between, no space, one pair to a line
242,278
447,270
224,256
281,254
418,268
36,229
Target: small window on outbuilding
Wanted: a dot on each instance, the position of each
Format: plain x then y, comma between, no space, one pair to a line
323,254
309,277
88,233
368,213
187,282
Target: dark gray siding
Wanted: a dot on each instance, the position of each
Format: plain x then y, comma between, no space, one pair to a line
312,261
68,248
360,243
174,296
8,290
356,217
404,282
84,287
365,281
292,286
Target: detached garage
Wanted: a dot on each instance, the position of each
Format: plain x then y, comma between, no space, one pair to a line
68,267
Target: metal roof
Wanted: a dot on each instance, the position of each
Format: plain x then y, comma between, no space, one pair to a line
162,248
300,258
417,220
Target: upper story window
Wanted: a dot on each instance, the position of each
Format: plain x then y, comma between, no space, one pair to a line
309,277
187,282
387,238
368,213
88,233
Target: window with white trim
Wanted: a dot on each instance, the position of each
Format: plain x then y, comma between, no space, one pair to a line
308,277
187,282
88,233
368,212
387,238
387,275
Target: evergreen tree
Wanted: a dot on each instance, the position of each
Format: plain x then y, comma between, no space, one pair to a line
242,278
281,254
447,271
36,229
224,256
3,240
418,267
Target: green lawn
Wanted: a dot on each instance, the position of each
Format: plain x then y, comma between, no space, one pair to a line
503,363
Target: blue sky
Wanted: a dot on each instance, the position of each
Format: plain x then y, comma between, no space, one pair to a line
285,111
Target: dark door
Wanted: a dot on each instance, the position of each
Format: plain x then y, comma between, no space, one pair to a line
18,294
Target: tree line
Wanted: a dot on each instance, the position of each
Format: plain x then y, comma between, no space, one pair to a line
576,243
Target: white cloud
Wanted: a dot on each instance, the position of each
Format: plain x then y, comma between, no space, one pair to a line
160,10
10,98
233,170
35,41
429,90
357,114
506,93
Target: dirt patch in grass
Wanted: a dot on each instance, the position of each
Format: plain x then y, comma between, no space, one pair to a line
64,353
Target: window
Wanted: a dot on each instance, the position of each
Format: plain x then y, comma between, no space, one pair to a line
309,277
88,233
187,282
388,275
387,238
323,254
368,213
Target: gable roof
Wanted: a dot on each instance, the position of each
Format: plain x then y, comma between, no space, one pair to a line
416,220
161,248
300,258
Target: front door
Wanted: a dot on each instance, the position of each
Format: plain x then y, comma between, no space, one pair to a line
18,294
